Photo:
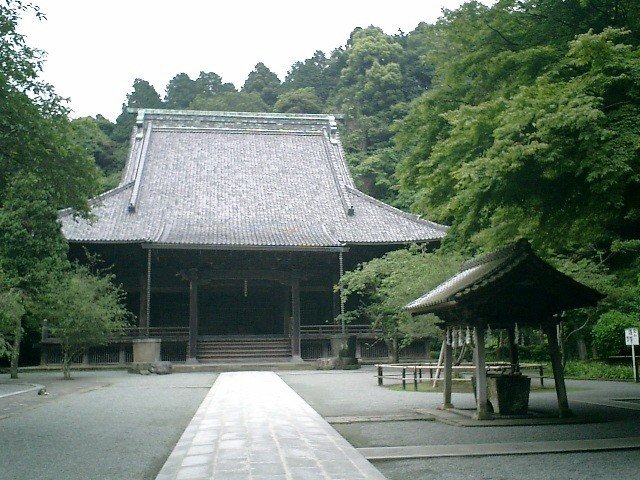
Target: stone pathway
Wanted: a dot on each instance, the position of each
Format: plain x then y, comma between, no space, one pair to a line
251,425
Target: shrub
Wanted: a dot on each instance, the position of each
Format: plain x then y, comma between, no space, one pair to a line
608,333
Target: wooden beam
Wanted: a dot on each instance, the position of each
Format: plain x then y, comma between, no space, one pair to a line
482,412
558,371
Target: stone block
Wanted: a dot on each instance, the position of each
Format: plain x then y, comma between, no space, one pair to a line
146,350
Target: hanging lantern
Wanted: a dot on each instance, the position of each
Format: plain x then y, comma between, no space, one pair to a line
246,288
454,339
460,337
448,336
468,336
516,334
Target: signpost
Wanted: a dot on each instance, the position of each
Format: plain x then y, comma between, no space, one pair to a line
631,338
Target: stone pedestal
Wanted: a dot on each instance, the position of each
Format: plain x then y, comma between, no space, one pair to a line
508,394
343,348
146,350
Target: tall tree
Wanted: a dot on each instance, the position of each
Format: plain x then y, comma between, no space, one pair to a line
264,82
181,91
310,73
142,95
210,83
303,100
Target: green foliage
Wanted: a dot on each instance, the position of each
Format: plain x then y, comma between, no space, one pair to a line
210,83
264,82
608,333
90,135
230,102
181,91
303,100
313,73
143,95
82,310
11,312
595,370
384,285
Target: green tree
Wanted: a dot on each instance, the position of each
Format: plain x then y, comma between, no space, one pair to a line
210,83
181,91
382,286
143,95
303,100
264,82
84,309
311,73
32,252
230,102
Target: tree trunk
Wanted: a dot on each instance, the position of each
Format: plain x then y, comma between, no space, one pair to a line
15,350
394,351
66,363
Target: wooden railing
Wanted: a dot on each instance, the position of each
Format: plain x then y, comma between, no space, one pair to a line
157,332
418,372
330,329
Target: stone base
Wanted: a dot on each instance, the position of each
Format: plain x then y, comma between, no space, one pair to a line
146,350
337,363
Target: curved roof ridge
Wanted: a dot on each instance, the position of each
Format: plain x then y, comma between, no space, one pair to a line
409,216
503,252
98,199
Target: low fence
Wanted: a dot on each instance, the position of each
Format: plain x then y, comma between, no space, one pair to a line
366,349
416,373
119,353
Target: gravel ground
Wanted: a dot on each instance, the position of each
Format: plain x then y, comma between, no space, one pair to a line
356,393
102,425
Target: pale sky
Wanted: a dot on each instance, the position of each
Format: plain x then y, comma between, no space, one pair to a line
96,48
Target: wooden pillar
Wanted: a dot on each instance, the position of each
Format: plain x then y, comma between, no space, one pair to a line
193,318
513,349
482,412
143,318
295,315
286,320
448,373
558,372
335,306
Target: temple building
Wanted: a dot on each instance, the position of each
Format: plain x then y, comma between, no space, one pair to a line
228,232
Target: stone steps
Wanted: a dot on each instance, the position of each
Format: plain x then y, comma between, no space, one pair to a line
240,349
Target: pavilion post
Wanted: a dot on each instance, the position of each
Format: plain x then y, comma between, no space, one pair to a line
295,315
482,412
193,319
513,349
558,371
448,373
143,318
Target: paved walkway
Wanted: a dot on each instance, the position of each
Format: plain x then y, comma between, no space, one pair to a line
251,425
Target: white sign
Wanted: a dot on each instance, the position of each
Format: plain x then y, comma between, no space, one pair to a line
631,336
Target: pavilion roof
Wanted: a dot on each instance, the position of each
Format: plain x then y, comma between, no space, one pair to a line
241,180
509,285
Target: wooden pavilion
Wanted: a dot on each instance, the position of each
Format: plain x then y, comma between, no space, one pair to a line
228,231
507,287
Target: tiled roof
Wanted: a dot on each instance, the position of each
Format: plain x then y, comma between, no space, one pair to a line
483,273
226,180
